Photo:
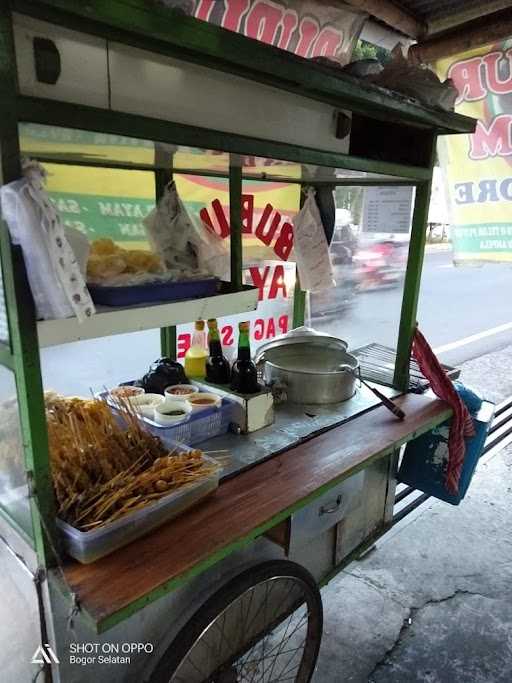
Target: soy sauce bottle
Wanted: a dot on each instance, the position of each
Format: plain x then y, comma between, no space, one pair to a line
244,376
217,366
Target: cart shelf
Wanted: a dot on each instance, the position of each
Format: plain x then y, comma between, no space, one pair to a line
120,320
243,508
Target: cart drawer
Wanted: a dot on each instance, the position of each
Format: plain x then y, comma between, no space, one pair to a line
57,63
327,510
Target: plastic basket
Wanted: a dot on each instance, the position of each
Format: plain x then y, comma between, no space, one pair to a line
89,546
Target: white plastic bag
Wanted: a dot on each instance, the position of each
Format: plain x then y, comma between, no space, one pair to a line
311,248
180,242
57,283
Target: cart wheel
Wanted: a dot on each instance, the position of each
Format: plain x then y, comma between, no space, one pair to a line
263,625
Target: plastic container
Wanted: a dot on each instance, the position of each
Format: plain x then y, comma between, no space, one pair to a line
156,292
202,424
89,546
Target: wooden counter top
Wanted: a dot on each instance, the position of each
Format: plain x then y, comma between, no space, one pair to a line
244,507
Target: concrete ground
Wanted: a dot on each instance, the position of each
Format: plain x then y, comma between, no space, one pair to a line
433,602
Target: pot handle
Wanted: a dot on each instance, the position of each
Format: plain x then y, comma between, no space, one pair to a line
345,367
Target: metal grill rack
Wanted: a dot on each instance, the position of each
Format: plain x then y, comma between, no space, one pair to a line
377,363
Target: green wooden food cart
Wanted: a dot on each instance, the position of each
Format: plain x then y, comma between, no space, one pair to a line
229,591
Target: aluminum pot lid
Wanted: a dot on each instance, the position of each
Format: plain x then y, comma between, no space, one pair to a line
300,335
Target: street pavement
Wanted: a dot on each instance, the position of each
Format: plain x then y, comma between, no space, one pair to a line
455,303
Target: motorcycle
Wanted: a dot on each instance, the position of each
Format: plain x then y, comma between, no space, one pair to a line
380,265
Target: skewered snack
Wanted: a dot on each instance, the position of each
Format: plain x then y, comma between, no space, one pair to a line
101,470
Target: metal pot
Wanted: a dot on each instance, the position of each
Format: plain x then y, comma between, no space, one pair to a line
305,366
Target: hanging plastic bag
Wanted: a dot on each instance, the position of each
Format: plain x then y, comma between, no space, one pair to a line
56,280
182,243
311,248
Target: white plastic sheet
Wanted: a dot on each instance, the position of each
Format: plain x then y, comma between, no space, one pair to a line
311,248
180,242
56,280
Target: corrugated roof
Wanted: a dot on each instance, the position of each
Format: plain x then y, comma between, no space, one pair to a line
431,10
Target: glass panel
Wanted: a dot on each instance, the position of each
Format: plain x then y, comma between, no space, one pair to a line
108,362
13,480
4,326
103,202
369,254
81,147
20,625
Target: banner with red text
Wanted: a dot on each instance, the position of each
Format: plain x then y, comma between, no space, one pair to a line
304,27
479,166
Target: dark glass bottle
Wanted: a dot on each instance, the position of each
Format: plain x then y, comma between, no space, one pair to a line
217,366
244,376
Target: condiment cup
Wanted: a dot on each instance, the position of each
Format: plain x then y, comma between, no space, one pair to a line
145,404
161,416
216,401
126,392
190,389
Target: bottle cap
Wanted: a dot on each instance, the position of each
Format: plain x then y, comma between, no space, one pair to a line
243,327
199,325
212,323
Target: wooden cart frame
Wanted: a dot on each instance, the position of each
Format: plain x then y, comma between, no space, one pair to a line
391,136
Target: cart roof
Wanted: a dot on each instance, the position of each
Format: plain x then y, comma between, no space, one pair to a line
159,29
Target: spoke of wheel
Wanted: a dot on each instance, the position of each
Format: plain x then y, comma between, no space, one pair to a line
281,645
286,652
280,653
284,641
262,642
273,584
285,669
222,636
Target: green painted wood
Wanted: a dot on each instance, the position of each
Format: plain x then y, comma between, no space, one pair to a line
412,281
159,29
22,321
235,222
52,112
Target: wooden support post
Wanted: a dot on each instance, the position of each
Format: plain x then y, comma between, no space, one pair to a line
235,221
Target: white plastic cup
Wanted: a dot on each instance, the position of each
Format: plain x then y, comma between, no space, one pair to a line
161,412
191,391
215,401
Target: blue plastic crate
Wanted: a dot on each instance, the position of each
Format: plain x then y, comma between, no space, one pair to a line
202,424
156,292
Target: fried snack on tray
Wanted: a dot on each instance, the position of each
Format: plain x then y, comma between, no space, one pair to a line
107,260
101,470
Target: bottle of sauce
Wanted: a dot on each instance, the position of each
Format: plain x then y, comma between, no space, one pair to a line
195,357
217,366
244,376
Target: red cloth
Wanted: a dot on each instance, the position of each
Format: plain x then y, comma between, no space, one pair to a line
462,424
